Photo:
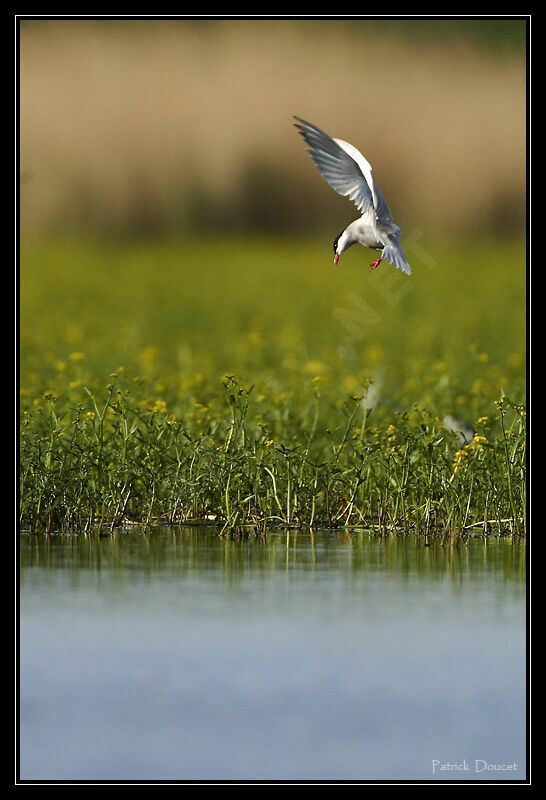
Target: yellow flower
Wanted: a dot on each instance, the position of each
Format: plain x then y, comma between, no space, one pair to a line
459,459
351,383
73,333
479,387
374,353
76,356
477,440
255,337
148,357
314,367
159,405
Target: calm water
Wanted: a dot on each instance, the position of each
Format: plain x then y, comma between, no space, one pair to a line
178,655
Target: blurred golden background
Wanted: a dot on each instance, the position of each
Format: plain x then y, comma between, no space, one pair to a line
151,127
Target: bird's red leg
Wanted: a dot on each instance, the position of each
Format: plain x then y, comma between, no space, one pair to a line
376,263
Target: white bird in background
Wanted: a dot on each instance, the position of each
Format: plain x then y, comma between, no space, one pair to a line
346,170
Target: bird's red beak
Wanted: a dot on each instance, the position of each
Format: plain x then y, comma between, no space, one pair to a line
336,259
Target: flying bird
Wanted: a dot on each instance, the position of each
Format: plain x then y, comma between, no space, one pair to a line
346,170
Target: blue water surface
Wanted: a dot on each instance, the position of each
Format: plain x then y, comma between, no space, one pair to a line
180,655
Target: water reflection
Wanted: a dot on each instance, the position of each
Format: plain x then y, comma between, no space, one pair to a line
185,549
180,655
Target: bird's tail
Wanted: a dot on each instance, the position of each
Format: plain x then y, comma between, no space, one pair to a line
393,253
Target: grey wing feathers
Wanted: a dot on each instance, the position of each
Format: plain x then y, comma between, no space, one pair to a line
394,254
384,212
337,167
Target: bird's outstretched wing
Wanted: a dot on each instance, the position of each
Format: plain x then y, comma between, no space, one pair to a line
345,169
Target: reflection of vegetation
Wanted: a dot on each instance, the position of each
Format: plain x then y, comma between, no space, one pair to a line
182,551
217,381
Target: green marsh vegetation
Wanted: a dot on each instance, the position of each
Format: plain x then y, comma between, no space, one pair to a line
188,352
245,381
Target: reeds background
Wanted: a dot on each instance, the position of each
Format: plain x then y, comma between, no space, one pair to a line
131,127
